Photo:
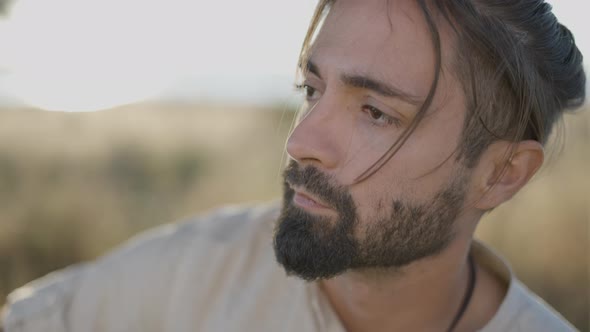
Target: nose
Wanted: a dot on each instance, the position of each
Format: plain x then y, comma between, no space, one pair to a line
315,138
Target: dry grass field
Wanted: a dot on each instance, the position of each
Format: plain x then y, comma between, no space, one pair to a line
74,185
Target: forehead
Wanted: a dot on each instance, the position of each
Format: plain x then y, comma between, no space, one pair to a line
387,39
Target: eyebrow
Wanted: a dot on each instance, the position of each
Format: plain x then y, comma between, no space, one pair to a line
312,68
369,83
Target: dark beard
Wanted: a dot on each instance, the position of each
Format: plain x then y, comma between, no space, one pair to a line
316,247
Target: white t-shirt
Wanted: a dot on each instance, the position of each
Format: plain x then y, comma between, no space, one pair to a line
214,273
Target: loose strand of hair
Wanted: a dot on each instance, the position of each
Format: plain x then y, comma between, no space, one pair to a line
397,145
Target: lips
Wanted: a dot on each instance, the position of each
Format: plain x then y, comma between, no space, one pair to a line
305,200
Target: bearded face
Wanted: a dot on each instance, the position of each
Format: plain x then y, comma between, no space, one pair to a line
318,246
366,76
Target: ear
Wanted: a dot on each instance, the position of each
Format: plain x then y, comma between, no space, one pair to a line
504,168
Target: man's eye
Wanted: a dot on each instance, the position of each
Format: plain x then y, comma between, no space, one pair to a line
375,113
309,91
379,118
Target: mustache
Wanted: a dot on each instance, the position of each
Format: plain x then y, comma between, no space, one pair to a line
318,184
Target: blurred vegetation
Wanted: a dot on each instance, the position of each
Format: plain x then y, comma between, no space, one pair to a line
4,6
72,186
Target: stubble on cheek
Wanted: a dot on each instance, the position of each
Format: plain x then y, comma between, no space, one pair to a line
370,211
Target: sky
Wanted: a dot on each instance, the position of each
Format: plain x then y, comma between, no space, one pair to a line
86,55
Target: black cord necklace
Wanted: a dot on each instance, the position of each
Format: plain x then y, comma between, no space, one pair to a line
467,296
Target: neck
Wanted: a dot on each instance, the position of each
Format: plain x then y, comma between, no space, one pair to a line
423,296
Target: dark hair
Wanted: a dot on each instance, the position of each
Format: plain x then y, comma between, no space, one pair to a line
519,67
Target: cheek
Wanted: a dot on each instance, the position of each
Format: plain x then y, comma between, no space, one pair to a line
435,142
416,172
366,144
431,149
408,181
374,196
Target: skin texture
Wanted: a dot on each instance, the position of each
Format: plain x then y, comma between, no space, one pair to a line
346,128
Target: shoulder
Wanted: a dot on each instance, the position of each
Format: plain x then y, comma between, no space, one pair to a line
33,306
140,273
536,314
520,309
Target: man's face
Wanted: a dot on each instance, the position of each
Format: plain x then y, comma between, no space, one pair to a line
371,67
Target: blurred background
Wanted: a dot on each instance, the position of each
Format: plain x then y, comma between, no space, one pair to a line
119,115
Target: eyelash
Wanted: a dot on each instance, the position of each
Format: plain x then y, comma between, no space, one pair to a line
309,91
306,89
389,120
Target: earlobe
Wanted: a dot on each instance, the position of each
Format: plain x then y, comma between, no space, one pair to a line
509,166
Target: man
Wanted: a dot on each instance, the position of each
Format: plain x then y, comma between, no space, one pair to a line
420,117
